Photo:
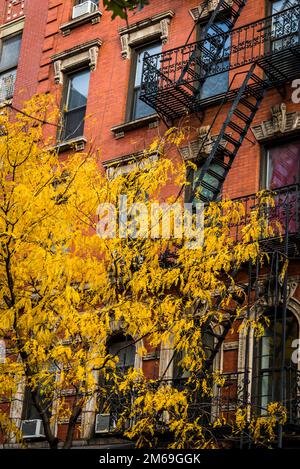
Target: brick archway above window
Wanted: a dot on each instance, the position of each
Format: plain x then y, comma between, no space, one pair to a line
83,54
156,27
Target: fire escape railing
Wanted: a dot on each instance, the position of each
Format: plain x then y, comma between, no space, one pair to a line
283,215
272,42
227,398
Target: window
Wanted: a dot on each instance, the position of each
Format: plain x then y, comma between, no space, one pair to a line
194,176
200,405
75,109
125,351
29,410
79,2
216,84
111,404
268,360
283,165
139,108
282,175
2,351
8,65
284,27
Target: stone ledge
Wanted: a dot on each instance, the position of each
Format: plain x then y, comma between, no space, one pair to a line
155,27
93,18
150,121
5,102
77,144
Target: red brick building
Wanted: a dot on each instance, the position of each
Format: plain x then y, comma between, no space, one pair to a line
93,67
21,48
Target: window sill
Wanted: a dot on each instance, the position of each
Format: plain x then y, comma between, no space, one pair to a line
5,102
150,121
77,144
93,18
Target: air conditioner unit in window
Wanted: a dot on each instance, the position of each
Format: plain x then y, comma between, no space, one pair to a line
104,423
84,8
32,428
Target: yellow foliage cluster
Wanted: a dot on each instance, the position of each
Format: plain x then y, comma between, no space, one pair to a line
65,291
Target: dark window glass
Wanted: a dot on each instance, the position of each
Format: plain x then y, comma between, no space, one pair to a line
269,359
8,65
285,25
194,177
74,114
78,2
283,165
141,109
112,403
10,52
217,84
125,352
45,392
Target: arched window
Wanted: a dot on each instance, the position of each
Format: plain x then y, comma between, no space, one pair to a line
271,381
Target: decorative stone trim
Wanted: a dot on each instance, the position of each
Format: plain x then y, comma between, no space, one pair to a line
76,144
126,163
202,11
13,27
282,123
65,61
120,130
191,151
151,356
155,27
93,18
4,104
231,345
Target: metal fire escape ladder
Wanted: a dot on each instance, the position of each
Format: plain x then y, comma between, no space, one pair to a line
212,42
230,138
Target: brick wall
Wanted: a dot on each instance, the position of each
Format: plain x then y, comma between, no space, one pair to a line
35,12
108,90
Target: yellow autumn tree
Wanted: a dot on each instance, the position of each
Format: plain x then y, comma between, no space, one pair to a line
66,290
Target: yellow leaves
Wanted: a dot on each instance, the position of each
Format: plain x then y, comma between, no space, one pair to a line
72,296
65,292
219,422
284,270
241,419
263,428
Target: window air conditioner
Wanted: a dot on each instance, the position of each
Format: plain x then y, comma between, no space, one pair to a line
103,423
32,428
84,8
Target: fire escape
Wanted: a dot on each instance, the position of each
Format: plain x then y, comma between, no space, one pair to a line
258,56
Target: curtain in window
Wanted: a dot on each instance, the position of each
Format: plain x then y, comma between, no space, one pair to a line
284,170
283,165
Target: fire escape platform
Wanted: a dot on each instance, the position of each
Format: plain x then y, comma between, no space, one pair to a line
172,79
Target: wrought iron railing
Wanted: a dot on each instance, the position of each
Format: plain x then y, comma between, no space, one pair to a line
182,69
283,214
244,390
7,85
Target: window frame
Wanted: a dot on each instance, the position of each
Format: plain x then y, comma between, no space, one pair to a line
201,25
131,94
79,2
62,137
264,165
264,375
12,69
